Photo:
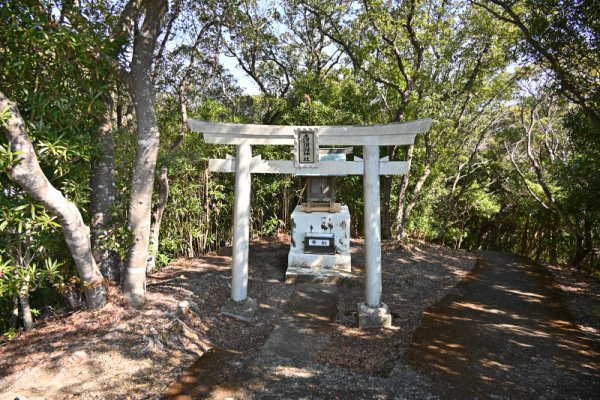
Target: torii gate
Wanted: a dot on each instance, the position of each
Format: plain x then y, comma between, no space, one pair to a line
372,312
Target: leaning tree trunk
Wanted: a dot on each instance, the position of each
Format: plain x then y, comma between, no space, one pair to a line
403,217
402,194
103,194
386,194
28,174
163,198
134,283
414,199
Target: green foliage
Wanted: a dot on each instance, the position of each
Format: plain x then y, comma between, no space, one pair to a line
16,277
330,100
13,276
10,334
54,74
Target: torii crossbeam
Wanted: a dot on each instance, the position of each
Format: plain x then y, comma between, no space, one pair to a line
372,312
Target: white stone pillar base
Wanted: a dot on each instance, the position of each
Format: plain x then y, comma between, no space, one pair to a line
374,317
243,310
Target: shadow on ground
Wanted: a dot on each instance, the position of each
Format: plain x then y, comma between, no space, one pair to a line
504,331
83,354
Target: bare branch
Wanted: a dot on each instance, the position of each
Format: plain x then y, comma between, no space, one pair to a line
523,178
174,14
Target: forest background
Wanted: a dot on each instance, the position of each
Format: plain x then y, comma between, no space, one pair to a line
101,181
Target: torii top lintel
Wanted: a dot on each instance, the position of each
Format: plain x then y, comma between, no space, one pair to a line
381,135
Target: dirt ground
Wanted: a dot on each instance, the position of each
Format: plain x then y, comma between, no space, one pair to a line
504,332
120,352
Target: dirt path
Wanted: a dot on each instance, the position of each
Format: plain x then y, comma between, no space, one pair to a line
501,333
504,332
305,328
286,367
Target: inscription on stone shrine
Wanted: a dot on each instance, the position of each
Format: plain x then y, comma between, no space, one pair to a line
306,148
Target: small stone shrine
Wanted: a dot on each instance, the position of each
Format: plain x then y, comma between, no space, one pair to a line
320,228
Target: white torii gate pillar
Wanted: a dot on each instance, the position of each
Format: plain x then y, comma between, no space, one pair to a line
240,305
372,313
372,226
241,223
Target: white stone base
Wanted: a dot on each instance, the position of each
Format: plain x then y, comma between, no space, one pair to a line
319,267
302,263
319,261
243,310
369,318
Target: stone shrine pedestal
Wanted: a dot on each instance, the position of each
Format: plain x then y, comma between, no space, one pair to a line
320,245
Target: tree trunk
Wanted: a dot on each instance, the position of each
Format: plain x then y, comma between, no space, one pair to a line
15,313
73,298
552,251
583,245
415,197
540,247
134,283
402,194
403,219
163,197
25,308
525,236
28,174
103,194
386,194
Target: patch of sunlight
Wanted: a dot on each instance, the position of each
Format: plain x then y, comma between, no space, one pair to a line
314,316
589,353
558,323
579,348
592,366
444,348
588,329
517,317
519,292
519,330
307,330
520,344
461,319
495,364
457,271
572,289
293,372
480,307
445,369
445,317
569,343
